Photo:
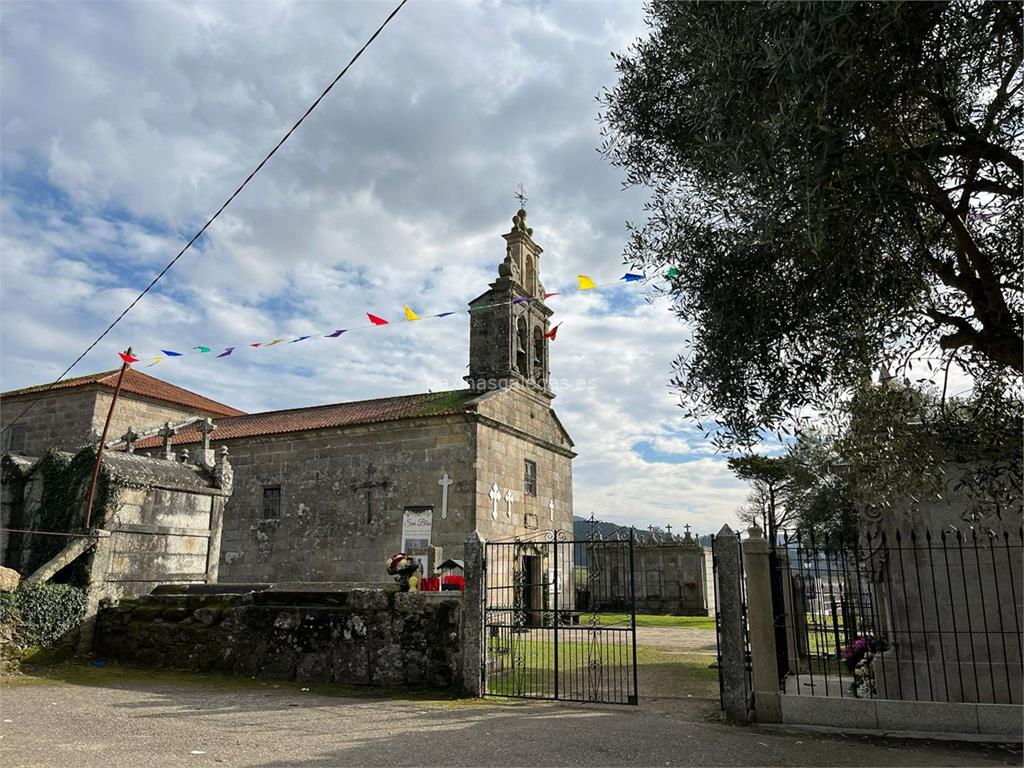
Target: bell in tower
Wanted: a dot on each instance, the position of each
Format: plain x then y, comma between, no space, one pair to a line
509,323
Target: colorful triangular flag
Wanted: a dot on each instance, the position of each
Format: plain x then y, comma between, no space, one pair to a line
410,315
128,358
169,353
155,361
272,342
300,338
444,314
227,351
586,283
552,333
376,320
672,272
549,295
631,277
202,349
336,334
256,345
522,300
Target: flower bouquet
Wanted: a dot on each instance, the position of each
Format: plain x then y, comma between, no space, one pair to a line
858,656
404,568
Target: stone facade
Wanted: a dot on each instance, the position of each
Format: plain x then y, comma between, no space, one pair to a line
329,493
358,636
67,419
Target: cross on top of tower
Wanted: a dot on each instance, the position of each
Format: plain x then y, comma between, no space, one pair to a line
521,193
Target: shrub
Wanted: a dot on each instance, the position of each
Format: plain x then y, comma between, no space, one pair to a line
43,613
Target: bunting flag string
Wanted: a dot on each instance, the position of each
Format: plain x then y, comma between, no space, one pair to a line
584,283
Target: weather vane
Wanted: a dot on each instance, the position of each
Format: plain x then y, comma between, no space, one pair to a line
521,194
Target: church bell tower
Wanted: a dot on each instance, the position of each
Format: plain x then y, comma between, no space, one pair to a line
509,324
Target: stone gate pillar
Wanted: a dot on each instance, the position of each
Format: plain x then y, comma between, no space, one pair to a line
472,616
730,625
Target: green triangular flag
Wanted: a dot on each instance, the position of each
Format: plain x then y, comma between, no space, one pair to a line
672,272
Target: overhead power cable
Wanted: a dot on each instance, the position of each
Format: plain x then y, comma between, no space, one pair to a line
213,218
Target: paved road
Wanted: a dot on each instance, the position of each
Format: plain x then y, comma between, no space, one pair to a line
195,722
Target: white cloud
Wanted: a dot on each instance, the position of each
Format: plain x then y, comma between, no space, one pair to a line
125,126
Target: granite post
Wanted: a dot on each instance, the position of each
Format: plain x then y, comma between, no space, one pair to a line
730,625
763,661
472,616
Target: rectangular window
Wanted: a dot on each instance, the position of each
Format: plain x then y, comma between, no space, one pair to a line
530,478
271,502
16,438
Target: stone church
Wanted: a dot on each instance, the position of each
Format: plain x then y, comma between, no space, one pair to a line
329,492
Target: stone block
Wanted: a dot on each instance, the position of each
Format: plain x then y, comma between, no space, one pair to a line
368,599
1001,719
828,711
937,716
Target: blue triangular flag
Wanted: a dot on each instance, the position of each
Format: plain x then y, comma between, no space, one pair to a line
444,314
301,338
169,353
336,334
227,351
631,277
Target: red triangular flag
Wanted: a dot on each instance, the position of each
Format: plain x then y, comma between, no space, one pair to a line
127,358
549,295
257,344
552,333
376,320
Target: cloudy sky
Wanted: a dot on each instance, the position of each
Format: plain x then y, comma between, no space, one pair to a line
124,125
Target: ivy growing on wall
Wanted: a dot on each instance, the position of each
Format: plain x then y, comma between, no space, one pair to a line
42,614
65,482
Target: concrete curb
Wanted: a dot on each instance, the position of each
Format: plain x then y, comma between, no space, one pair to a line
973,738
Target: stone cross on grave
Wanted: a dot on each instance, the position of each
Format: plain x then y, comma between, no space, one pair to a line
370,485
495,497
551,509
206,426
444,482
129,438
686,528
668,529
167,432
509,498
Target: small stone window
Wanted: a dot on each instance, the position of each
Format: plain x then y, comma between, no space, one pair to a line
271,502
530,478
16,438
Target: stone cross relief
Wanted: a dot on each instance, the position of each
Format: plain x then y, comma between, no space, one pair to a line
509,498
444,482
370,485
167,432
551,509
495,497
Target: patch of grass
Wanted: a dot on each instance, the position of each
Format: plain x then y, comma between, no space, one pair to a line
654,620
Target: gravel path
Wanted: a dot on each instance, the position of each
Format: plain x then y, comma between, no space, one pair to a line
198,723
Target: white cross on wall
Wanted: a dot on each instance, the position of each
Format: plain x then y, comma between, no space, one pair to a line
509,498
444,482
495,497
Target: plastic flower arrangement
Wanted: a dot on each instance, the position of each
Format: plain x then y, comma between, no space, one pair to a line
858,656
404,568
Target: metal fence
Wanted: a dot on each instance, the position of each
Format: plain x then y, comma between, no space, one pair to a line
910,616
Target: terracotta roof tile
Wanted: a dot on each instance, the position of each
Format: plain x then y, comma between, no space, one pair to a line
324,416
139,384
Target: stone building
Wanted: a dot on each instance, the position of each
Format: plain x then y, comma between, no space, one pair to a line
71,413
328,492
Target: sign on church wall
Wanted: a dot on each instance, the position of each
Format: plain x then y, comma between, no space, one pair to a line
416,525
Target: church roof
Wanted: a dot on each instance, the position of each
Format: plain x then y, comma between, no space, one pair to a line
138,384
324,416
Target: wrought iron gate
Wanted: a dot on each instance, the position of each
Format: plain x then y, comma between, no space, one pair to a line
560,619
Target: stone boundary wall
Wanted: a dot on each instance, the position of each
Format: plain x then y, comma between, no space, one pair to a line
359,636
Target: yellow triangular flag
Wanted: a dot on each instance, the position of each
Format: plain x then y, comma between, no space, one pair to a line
272,343
410,315
155,361
585,283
